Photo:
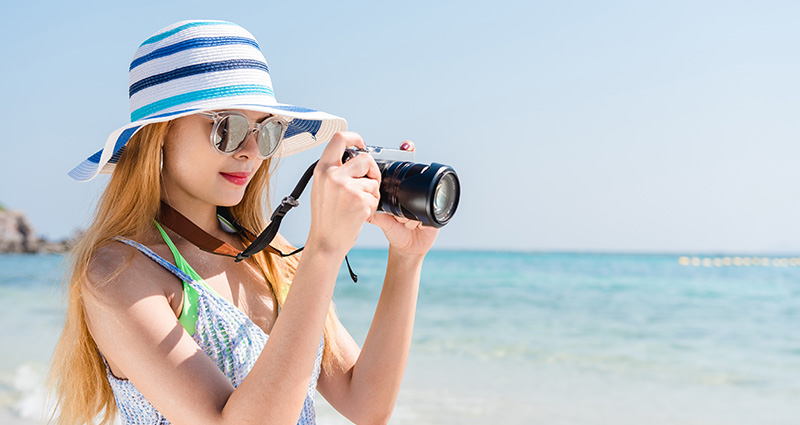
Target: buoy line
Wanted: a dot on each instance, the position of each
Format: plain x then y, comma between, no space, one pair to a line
739,261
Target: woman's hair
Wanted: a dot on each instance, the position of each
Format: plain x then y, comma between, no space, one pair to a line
127,208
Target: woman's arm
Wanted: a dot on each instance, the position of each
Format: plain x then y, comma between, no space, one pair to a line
364,387
281,375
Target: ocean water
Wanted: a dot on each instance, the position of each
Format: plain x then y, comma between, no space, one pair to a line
524,338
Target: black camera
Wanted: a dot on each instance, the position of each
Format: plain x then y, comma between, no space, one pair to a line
426,193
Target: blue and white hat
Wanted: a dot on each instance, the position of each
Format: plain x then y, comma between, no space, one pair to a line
195,66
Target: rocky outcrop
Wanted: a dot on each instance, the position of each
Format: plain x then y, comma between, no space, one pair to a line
17,235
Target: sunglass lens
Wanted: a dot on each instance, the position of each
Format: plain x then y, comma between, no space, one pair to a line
231,132
270,138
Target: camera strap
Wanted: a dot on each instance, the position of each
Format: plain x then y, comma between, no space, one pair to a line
184,227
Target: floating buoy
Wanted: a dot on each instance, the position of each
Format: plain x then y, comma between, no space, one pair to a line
739,261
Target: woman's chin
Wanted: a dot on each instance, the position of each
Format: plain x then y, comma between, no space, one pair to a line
229,202
229,198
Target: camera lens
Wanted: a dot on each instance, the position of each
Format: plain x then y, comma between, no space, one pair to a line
445,197
439,199
427,193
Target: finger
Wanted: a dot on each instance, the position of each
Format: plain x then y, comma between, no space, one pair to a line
369,186
374,172
407,145
332,155
372,205
412,224
381,219
363,165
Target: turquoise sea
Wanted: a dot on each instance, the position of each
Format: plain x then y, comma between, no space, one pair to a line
524,338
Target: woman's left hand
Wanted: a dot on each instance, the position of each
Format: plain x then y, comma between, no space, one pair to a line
406,236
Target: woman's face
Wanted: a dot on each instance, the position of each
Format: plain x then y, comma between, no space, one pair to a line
195,171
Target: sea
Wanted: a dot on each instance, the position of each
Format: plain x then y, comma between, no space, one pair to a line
523,338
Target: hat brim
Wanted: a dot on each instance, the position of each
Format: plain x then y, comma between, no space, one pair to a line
307,128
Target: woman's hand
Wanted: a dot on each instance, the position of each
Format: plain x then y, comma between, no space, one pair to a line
405,236
343,196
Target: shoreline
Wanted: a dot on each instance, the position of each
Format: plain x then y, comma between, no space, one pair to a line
441,389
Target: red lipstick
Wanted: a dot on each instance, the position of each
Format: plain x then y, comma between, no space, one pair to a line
237,178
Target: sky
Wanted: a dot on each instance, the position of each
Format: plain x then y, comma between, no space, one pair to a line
614,126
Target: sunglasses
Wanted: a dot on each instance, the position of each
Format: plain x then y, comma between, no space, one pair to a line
232,129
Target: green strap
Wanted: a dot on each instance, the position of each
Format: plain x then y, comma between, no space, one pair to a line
188,316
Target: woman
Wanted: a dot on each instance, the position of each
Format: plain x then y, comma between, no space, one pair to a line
161,330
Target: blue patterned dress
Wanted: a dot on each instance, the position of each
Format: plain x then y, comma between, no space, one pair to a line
222,331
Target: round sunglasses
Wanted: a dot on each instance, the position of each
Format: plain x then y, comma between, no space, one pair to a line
232,129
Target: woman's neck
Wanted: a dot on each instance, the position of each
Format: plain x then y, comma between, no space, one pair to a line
200,213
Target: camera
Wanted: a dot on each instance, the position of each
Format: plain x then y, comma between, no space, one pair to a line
426,193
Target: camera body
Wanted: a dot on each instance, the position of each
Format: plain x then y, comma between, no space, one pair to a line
381,154
426,193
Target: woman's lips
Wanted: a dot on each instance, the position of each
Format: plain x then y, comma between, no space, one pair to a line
237,178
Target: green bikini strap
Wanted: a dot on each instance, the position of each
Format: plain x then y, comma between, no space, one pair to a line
179,261
188,317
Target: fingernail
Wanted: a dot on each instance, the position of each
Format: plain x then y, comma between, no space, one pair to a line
405,146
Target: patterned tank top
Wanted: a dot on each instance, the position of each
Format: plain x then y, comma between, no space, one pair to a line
222,331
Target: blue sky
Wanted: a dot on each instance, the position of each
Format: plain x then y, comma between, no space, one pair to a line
574,125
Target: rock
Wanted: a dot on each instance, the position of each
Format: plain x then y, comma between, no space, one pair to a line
18,236
16,232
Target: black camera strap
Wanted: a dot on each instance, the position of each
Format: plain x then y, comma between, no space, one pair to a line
184,227
265,238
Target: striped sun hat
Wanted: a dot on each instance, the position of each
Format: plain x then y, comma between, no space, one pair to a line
195,66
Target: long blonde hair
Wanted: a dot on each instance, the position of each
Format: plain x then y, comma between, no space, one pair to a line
126,208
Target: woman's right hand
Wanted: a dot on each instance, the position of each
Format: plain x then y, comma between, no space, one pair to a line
343,196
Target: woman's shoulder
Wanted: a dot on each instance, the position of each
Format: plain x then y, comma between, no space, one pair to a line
118,272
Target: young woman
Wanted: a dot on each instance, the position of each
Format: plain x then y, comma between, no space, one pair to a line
159,329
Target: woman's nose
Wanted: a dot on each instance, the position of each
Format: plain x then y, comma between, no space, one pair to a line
250,148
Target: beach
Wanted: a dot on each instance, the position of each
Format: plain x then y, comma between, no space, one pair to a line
521,338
